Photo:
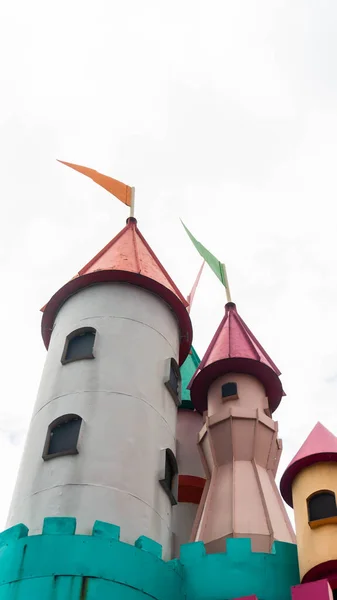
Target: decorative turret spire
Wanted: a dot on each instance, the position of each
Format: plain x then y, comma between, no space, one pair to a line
126,258
234,348
237,387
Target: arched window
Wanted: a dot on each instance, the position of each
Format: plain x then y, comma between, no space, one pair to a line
168,474
79,345
173,381
229,391
62,437
321,505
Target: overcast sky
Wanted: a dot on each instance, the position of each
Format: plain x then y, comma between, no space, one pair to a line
220,112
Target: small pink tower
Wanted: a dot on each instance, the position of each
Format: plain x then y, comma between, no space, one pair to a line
237,387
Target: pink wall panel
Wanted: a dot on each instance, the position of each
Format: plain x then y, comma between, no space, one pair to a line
315,590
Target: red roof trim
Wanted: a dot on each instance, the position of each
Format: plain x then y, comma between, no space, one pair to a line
206,376
294,469
74,285
325,570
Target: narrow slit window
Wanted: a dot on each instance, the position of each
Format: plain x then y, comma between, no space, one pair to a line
79,345
173,382
62,437
322,505
229,391
169,474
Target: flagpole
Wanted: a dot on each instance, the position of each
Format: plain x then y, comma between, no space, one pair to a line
132,204
228,292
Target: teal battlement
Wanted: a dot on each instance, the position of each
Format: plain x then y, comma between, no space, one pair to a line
239,572
59,565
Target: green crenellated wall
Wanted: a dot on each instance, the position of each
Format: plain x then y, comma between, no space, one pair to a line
239,572
59,565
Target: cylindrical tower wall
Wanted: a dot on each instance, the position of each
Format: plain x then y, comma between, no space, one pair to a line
251,393
128,417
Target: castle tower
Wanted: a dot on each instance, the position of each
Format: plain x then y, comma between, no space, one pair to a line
191,474
309,485
108,398
91,515
237,387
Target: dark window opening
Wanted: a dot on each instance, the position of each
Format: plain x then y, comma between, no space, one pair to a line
62,437
170,471
322,505
79,345
229,390
173,383
334,594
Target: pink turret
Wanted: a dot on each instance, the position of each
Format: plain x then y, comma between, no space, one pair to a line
237,386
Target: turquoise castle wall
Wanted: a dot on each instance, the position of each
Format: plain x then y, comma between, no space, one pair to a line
239,572
59,565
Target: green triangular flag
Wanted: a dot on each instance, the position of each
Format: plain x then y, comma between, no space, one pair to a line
217,267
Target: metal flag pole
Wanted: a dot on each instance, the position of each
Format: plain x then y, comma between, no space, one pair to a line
228,292
132,204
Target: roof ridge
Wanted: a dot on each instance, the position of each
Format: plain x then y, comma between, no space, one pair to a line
156,259
246,333
260,347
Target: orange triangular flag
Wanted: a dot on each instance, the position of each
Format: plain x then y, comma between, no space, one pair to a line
122,191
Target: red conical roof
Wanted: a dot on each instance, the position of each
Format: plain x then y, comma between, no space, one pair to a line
320,446
235,349
128,257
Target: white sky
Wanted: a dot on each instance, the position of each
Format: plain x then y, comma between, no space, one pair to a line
220,112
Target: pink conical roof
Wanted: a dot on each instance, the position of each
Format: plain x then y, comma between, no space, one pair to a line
320,446
129,251
127,257
234,348
234,339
